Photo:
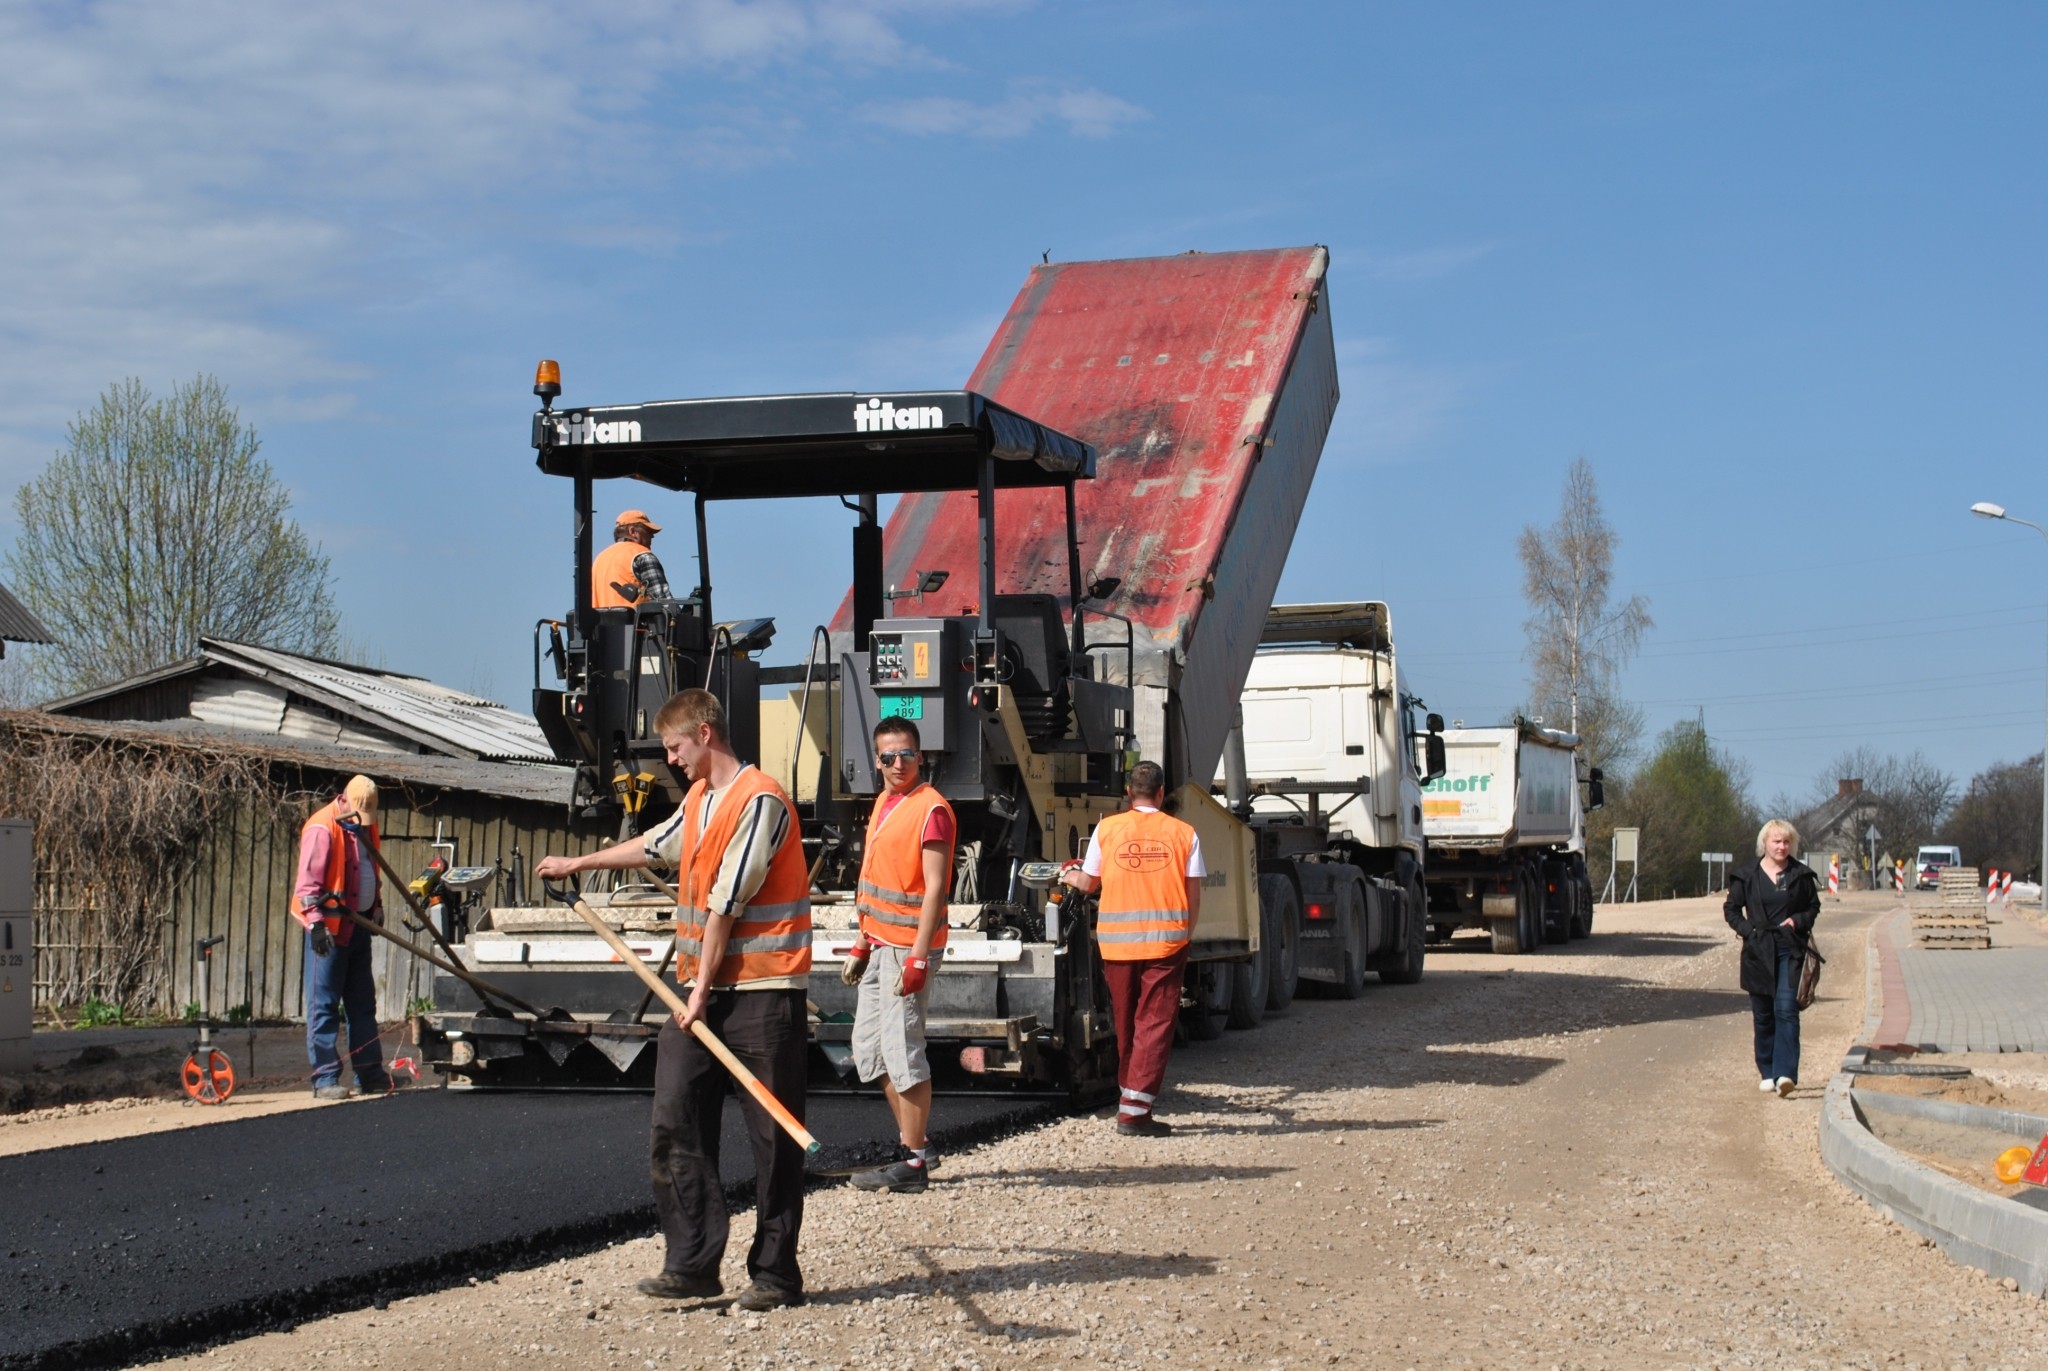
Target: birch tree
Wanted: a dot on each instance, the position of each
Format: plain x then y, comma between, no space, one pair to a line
1578,640
157,523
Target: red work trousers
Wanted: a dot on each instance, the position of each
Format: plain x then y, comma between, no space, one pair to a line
1144,999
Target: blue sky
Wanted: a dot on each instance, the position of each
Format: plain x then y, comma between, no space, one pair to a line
1775,270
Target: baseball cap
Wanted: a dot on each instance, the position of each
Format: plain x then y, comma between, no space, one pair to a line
635,516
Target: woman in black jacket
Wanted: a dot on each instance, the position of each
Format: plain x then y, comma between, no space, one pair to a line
1772,904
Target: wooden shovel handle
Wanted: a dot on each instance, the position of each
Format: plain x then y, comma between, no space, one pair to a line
761,1093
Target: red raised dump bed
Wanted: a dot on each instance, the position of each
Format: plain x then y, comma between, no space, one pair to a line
1206,383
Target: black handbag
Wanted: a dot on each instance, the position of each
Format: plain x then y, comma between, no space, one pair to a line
1809,974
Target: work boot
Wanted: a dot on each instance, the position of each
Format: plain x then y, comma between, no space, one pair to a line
1143,1126
904,1176
758,1298
673,1285
337,1091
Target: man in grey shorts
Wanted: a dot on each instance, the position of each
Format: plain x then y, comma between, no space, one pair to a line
906,872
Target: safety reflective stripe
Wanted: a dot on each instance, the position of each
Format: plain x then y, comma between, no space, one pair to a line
877,892
1177,933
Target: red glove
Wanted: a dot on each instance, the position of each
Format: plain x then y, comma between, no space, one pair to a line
910,979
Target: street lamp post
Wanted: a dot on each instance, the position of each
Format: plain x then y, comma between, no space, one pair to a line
1984,509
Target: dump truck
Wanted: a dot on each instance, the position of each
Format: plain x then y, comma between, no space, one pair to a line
1077,573
1506,828
1335,750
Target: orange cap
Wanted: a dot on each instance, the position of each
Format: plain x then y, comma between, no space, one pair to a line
635,516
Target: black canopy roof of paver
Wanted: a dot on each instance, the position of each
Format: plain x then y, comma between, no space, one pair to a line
848,443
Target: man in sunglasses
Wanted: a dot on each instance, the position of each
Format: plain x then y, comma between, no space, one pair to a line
906,873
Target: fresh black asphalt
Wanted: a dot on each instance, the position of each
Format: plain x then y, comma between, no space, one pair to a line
147,1244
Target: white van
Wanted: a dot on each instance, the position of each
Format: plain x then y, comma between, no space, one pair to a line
1927,866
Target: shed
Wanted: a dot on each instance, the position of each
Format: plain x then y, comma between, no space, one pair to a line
1835,827
127,937
262,691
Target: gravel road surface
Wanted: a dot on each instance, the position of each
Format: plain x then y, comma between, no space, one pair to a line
1558,1160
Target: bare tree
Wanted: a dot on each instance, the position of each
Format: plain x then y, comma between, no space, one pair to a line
1578,642
1997,823
1909,796
156,524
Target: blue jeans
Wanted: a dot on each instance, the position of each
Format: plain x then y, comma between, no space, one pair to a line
1777,1021
342,980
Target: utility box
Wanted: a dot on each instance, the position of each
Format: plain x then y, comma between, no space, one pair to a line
17,946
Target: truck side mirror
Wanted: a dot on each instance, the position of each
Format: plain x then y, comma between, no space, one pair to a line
1596,791
1434,723
1433,749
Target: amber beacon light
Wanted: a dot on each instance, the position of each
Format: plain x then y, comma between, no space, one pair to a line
547,382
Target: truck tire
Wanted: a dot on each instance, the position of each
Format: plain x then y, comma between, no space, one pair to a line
1350,982
1280,928
1248,982
1523,930
1209,987
1582,891
1404,966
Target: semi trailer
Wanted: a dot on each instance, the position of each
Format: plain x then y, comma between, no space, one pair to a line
1090,533
1506,826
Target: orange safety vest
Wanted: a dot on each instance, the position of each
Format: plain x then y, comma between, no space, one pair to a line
891,892
336,879
771,937
614,564
1141,913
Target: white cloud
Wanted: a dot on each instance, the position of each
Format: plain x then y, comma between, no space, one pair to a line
1086,113
186,185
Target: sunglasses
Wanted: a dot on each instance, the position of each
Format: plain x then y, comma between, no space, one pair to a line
892,758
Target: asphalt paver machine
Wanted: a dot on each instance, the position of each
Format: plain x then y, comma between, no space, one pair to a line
1087,543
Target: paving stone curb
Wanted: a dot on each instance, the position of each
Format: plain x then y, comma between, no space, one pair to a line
1973,1227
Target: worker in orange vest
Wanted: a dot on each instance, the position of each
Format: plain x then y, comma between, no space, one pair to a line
1147,867
337,872
743,947
628,572
906,873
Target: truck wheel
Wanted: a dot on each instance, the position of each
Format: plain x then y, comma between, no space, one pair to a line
1530,894
1209,988
1405,968
1248,982
1280,928
1351,972
1582,900
1507,936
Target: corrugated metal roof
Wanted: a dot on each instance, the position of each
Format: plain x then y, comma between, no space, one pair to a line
508,780
432,715
428,715
17,625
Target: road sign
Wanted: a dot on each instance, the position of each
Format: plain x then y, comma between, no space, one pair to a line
1717,856
1625,844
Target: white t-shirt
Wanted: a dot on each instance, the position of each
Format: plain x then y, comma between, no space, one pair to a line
1092,863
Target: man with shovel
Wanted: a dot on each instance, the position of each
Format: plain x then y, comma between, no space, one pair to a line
743,946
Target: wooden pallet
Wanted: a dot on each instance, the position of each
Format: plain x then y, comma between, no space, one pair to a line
1952,943
1960,885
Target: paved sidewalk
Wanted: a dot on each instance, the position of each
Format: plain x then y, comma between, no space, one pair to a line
1988,1000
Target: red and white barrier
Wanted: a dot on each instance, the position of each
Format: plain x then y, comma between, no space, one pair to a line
1834,875
1899,876
1991,887
2005,889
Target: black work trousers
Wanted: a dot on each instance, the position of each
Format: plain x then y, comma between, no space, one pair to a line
767,1030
